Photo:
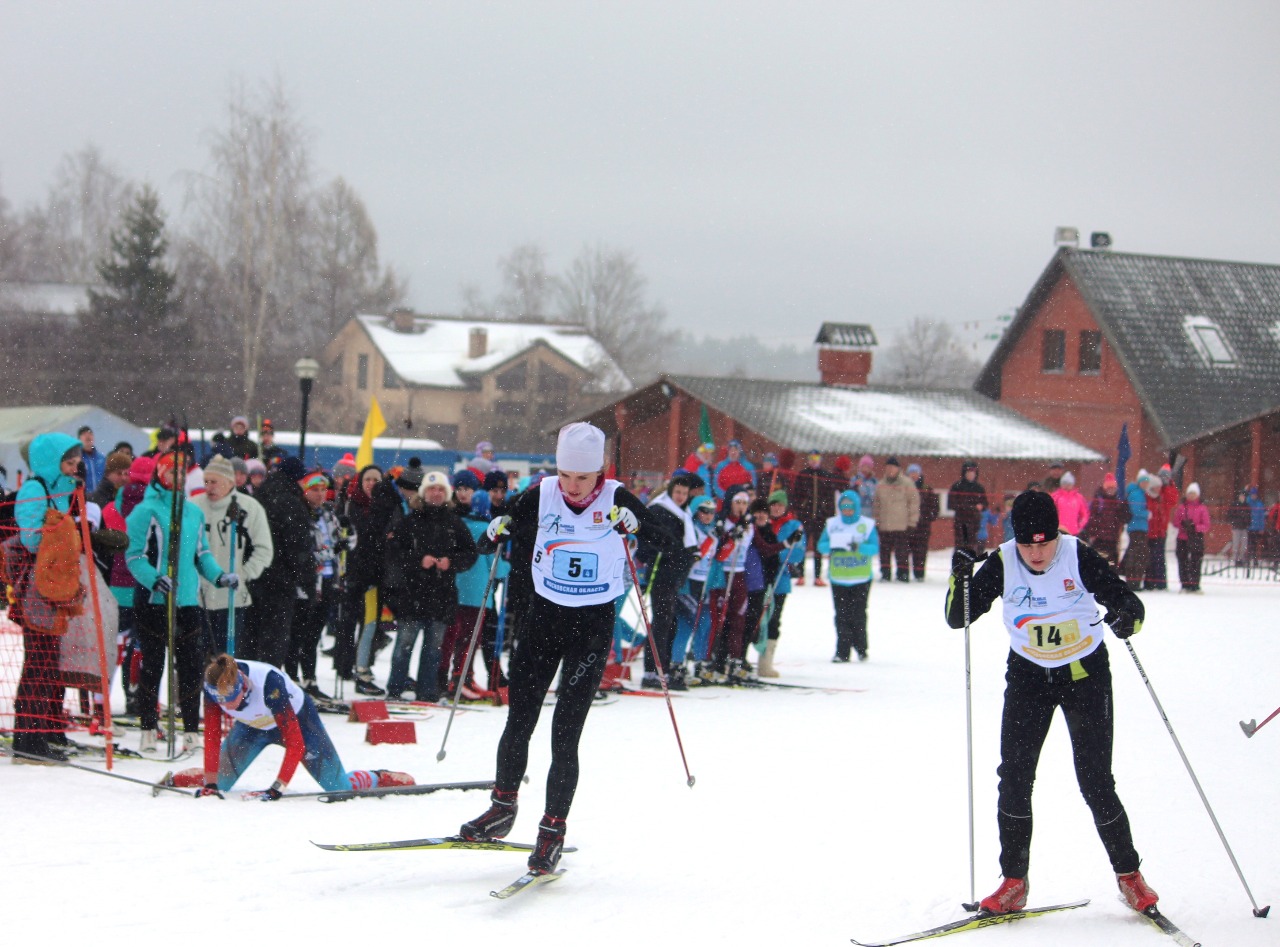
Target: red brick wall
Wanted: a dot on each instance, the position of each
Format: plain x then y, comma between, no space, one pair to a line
1088,408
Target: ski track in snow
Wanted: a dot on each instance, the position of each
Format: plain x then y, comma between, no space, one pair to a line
817,816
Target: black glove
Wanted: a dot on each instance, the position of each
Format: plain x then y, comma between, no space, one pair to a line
1123,625
963,561
209,790
162,586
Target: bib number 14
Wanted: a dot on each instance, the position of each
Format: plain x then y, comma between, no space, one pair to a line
1053,637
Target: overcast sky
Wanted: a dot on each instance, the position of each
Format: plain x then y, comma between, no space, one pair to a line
770,165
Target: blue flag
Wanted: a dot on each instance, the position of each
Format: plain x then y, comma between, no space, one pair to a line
1123,453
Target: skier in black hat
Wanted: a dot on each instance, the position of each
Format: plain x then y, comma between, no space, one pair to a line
1051,585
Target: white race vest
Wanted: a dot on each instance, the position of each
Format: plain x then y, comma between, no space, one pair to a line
737,561
702,566
1051,618
578,558
847,566
255,712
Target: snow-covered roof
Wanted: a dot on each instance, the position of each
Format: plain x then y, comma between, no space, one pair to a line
804,416
436,352
44,299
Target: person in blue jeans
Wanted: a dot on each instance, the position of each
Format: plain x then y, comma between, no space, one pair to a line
270,709
427,550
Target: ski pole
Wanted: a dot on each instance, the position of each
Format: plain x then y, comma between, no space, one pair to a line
171,600
1253,727
156,788
471,647
495,670
1257,911
233,512
972,903
657,663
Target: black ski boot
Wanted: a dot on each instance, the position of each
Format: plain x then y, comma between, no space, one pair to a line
546,851
497,820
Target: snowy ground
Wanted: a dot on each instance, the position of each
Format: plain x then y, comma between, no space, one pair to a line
817,816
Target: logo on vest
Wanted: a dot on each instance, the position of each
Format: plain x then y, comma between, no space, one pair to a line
1068,585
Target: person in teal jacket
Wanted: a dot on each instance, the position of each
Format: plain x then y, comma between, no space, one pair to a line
852,541
148,561
38,719
471,590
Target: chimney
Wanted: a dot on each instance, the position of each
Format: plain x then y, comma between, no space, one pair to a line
478,343
402,320
844,354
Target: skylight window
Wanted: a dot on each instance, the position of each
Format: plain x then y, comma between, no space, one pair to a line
1209,342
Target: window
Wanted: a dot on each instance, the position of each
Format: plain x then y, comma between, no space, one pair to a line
1090,352
552,382
389,377
362,372
1209,342
1053,354
515,378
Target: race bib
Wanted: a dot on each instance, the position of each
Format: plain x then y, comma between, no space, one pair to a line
1053,641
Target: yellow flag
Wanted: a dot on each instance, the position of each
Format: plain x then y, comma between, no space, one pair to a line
374,425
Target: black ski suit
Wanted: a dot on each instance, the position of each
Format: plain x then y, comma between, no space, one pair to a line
551,635
1032,692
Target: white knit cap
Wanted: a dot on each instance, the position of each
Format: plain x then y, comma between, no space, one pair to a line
1193,488
580,448
1068,479
435,478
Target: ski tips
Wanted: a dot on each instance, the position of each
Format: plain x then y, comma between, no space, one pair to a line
1249,728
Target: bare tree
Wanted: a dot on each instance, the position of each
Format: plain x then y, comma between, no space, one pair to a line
604,292
63,239
345,253
527,287
926,354
253,212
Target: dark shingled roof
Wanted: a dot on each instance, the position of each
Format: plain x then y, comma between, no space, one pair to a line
1147,308
846,334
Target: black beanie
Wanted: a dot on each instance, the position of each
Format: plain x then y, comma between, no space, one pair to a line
1035,517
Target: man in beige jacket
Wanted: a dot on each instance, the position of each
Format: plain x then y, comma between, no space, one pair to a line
254,550
897,511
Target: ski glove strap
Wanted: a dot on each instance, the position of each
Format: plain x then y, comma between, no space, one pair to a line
498,529
623,520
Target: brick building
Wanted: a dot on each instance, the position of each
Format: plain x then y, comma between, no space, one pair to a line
1185,351
654,428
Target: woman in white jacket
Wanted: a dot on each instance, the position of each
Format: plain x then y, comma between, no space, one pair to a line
253,547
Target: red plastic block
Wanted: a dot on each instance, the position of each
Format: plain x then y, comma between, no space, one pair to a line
391,731
363,711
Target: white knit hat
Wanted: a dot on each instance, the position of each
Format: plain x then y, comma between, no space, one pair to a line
435,478
1068,479
1193,488
580,448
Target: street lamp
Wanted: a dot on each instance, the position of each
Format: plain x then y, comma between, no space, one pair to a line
306,369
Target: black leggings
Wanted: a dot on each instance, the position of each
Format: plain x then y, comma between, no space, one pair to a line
1031,696
153,635
551,633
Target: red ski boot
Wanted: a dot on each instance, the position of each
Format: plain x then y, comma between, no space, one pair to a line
496,821
546,850
1009,897
1136,893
